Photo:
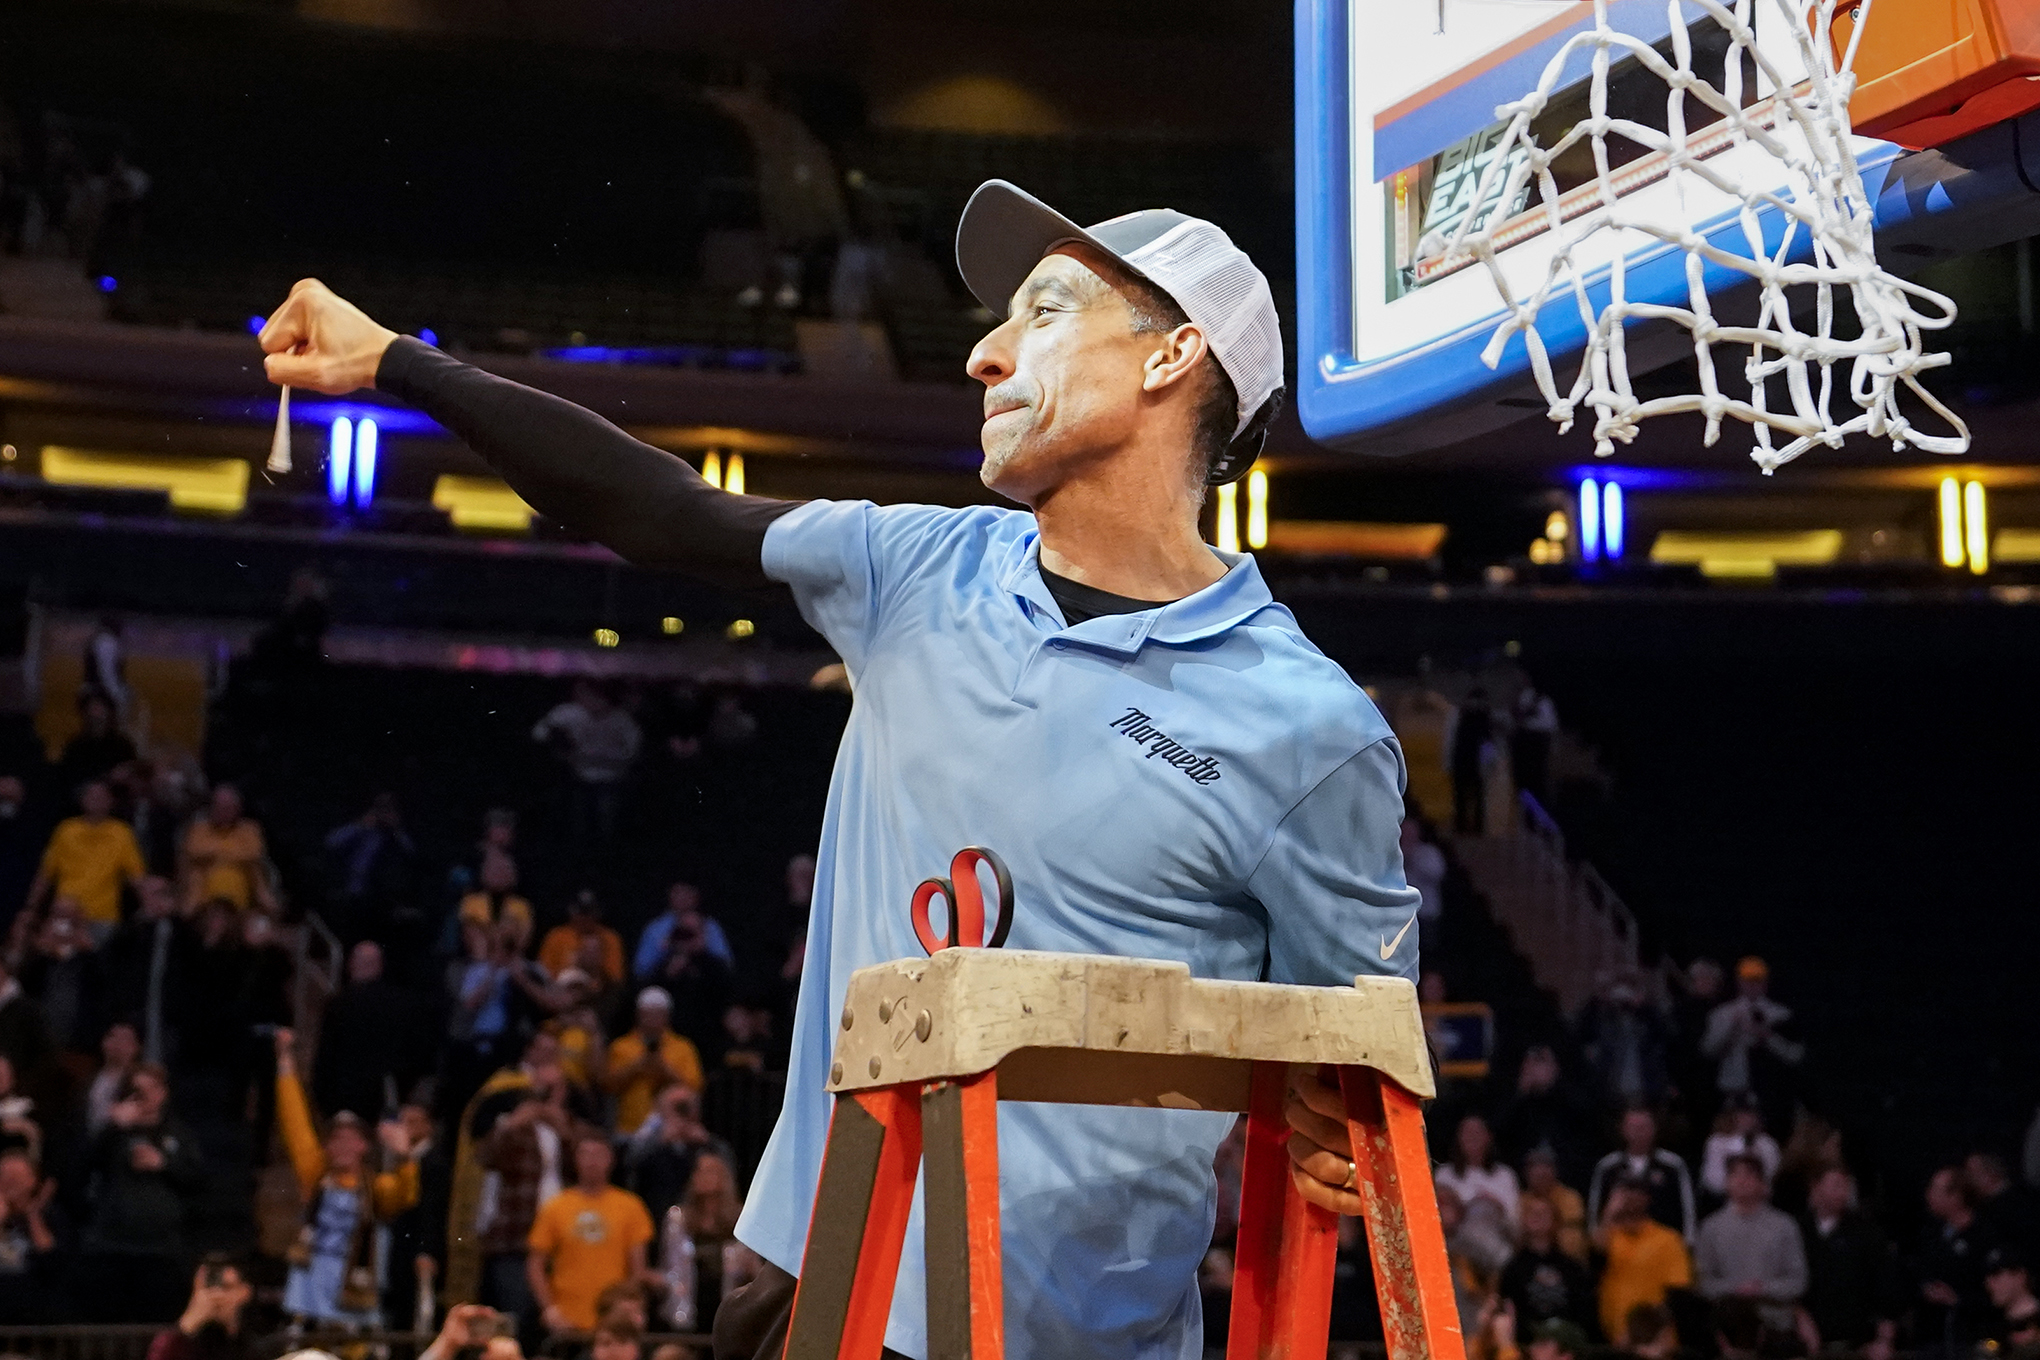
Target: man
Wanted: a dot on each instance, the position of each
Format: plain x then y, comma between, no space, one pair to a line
147,965
90,859
1541,1281
586,1238
647,1060
528,1155
2016,1312
1849,1266
683,912
1661,1170
1745,1035
1180,774
1548,1112
224,858
146,1172
2011,1210
598,742
661,1155
417,1249
558,951
1568,1209
1643,1259
698,979
369,1041
210,1326
1557,1339
1955,1311
370,860
1749,1249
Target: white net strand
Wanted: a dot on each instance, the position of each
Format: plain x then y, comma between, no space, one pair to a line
1803,126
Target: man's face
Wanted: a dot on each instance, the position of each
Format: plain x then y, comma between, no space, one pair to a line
158,901
651,1019
417,1122
120,1047
150,1093
1829,1197
2005,1287
96,800
12,793
1944,1200
364,964
1063,376
1639,1131
226,805
683,900
1629,1205
1745,1185
609,1346
592,1160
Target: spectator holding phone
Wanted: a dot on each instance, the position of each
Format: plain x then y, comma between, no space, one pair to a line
210,1326
146,1170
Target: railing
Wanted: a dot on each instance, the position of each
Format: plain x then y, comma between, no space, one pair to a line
83,1342
321,962
1564,917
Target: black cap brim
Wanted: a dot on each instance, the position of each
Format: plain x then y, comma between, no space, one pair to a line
1003,234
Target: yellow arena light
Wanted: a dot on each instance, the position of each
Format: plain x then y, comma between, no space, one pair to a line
1557,526
607,637
1228,526
711,467
1976,528
739,629
1257,509
671,626
1951,522
215,485
733,475
481,503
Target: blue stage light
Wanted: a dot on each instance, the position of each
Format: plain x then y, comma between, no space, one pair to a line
339,459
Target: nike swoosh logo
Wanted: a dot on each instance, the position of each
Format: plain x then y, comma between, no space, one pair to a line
1388,946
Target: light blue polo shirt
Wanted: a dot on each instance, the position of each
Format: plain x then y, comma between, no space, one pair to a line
1192,782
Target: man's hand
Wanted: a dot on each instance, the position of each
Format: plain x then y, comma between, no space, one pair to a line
555,1320
319,340
1320,1149
146,1157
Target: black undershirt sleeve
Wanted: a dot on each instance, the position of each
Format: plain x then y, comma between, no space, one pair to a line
573,466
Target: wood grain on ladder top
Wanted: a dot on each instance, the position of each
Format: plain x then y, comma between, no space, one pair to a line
1095,1029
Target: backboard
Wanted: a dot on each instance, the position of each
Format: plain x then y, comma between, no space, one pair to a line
1396,118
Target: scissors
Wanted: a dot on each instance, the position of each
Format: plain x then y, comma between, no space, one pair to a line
964,896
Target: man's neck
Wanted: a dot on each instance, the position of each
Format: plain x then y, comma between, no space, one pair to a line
591,1190
1135,539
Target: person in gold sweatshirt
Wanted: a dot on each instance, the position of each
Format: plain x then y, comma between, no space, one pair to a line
337,1263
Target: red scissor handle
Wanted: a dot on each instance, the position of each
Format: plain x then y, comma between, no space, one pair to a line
964,896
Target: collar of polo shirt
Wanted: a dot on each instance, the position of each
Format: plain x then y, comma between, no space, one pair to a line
1225,603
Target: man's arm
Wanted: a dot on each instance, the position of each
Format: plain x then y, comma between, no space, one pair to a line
1338,906
567,463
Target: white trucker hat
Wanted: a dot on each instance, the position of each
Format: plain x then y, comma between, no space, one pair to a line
1005,231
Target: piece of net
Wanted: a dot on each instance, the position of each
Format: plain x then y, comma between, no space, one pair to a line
1803,127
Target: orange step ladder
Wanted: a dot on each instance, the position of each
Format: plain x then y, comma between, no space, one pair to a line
928,1047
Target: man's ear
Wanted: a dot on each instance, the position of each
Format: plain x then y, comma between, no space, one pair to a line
1177,354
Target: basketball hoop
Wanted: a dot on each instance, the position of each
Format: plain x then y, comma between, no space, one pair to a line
1803,126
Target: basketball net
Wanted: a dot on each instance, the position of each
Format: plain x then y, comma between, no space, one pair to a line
1822,204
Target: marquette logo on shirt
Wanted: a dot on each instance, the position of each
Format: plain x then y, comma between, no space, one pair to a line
1136,727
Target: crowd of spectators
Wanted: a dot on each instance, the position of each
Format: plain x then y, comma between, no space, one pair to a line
548,1107
1696,1231
520,1105
68,188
